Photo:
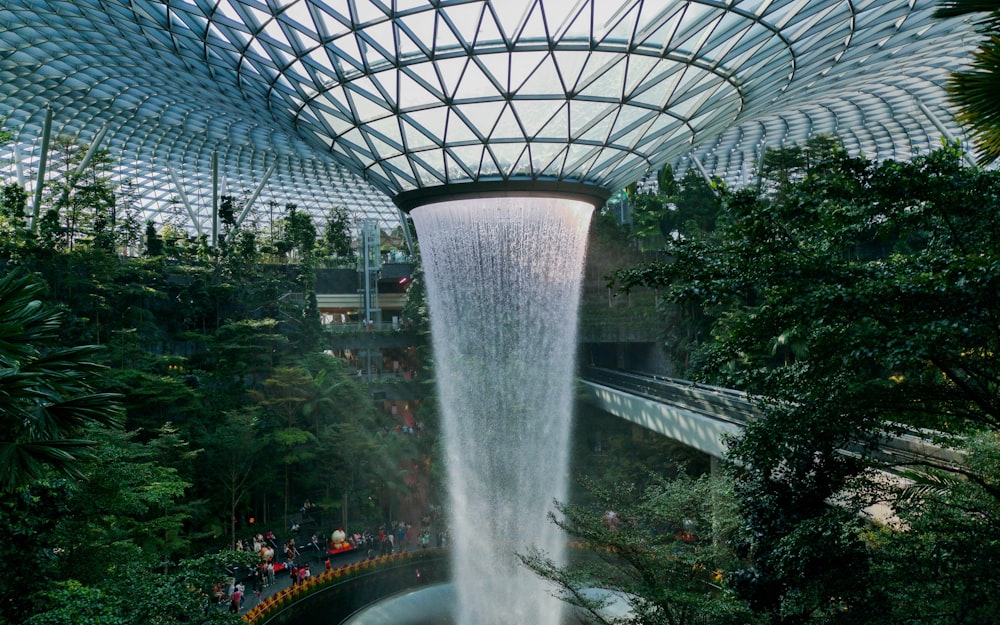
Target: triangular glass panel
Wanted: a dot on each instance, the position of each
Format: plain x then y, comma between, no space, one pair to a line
543,81
598,131
474,83
431,121
459,132
409,41
556,164
575,23
523,64
336,98
659,32
497,67
535,114
543,154
483,114
462,20
401,168
578,155
620,28
367,107
521,168
629,117
430,166
509,14
570,63
630,138
388,129
468,157
346,48
505,154
604,76
363,11
415,94
445,41
583,113
489,32
489,167
378,45
449,72
534,23
507,127
453,170
557,128
382,149
638,69
414,137
354,140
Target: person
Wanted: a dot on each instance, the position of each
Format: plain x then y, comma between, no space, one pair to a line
235,601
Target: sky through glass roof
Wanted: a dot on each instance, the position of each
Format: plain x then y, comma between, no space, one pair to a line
353,102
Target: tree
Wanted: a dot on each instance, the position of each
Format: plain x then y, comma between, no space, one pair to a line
48,393
860,297
337,236
661,546
975,91
234,452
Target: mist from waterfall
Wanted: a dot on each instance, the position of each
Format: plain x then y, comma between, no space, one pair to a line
503,283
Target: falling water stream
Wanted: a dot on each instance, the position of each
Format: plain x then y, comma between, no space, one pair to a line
503,283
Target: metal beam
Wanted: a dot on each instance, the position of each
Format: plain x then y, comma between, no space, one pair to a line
406,230
215,198
943,129
704,173
19,164
184,200
36,204
89,156
256,194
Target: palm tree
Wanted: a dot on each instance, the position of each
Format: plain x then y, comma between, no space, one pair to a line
47,392
976,90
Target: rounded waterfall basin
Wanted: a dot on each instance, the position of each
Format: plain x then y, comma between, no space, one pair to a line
431,605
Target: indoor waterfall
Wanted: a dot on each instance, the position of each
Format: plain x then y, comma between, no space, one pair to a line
503,283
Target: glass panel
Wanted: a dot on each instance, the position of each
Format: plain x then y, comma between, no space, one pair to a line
535,114
544,80
459,132
449,73
470,156
508,126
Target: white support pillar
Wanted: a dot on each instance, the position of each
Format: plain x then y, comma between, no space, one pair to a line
256,194
929,114
89,156
704,173
184,200
406,230
215,198
19,165
36,204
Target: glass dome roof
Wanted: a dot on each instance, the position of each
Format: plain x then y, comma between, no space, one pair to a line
353,102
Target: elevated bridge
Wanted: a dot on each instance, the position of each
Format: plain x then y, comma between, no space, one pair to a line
701,416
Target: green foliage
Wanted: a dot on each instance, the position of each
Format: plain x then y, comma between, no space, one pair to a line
47,392
662,545
975,90
849,296
337,236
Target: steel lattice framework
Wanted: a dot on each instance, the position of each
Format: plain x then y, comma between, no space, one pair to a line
352,102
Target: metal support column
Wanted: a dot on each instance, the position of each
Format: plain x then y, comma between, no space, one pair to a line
215,198
43,158
256,194
184,200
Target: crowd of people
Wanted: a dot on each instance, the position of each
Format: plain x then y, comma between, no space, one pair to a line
296,556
